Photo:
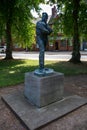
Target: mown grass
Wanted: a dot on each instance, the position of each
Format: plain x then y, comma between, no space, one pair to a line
12,71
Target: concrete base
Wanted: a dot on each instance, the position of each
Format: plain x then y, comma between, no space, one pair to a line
34,117
43,90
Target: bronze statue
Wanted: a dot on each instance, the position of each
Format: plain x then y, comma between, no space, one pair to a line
42,32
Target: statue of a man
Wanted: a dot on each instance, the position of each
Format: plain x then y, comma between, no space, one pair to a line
42,32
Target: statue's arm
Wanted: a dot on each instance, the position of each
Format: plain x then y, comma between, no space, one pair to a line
42,27
50,30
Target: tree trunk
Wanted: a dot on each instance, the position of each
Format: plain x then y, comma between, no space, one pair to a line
76,42
8,41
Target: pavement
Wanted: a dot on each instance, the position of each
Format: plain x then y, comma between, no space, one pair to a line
49,55
34,117
75,120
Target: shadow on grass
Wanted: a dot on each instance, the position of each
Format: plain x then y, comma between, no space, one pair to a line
12,72
69,68
12,62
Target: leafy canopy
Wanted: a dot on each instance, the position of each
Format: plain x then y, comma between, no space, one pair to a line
18,13
65,21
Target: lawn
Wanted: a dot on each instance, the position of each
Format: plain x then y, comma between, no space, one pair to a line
12,71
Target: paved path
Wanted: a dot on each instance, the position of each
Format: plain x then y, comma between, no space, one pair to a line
61,56
76,120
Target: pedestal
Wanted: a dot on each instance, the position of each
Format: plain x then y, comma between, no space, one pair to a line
42,91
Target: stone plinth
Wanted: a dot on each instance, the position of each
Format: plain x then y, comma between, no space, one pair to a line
42,91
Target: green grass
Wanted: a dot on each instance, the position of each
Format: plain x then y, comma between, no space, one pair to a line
12,71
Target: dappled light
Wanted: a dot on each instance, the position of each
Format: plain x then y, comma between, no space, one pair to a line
69,68
12,72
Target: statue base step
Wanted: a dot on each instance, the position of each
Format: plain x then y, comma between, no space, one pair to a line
43,72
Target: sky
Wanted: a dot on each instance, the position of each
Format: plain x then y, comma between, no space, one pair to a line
45,8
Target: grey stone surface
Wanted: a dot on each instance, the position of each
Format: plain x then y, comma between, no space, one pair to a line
34,117
44,90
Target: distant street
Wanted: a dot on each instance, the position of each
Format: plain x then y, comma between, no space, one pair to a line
61,56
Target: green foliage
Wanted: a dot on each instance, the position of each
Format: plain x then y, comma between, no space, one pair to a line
2,28
73,21
65,20
83,19
68,19
18,14
25,37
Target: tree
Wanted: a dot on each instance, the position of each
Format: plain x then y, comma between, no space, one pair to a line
24,36
16,14
76,41
74,22
83,19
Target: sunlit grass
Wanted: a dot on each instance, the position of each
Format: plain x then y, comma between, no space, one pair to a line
12,72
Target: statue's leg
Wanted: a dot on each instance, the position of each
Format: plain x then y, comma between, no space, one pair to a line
41,55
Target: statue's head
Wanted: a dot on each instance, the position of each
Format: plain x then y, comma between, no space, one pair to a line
44,17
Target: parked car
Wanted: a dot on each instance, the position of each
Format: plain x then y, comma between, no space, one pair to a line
2,49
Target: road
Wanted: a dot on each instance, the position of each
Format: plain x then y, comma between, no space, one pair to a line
60,56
